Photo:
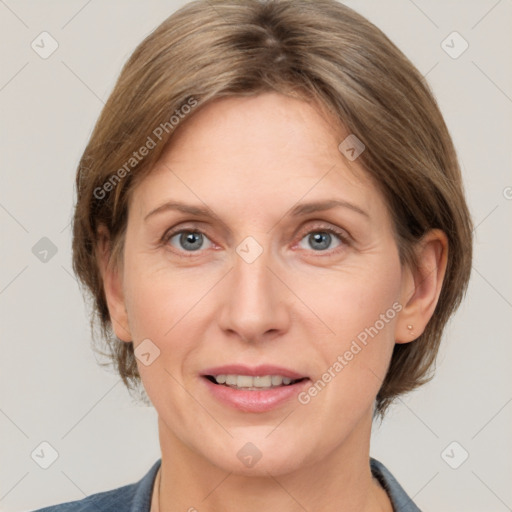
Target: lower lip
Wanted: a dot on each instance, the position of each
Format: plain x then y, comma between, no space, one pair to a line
255,401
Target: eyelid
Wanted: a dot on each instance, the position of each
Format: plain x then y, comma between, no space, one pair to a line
318,226
343,236
321,225
180,228
193,226
199,226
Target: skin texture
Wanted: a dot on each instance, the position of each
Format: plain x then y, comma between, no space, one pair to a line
250,161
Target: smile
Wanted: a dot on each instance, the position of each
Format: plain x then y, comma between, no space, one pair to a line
256,389
249,382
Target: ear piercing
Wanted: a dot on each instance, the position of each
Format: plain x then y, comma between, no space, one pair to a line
410,329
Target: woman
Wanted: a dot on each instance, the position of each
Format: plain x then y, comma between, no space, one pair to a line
273,228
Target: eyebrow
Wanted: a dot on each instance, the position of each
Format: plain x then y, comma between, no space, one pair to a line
319,206
197,211
300,209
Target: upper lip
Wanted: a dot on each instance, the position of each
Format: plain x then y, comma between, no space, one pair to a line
254,371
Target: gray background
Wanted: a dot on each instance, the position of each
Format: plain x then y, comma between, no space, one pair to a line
51,387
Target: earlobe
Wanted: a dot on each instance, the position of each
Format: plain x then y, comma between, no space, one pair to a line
112,286
421,286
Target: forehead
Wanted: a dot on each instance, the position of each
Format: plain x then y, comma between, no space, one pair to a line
245,152
268,128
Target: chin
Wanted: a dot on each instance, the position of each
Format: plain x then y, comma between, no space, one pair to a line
260,456
271,463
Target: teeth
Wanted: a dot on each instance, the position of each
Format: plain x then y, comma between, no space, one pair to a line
231,380
249,382
244,381
263,382
276,380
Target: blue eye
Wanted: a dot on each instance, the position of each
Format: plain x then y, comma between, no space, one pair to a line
189,240
321,240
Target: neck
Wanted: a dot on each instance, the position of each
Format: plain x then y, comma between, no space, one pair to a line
340,483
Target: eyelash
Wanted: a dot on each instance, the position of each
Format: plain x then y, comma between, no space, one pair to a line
340,234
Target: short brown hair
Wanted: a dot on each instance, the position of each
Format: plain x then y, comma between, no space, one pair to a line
322,51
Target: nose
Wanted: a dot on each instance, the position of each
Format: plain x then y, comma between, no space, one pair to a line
255,306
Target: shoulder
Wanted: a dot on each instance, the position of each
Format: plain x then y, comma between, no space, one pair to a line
133,497
116,499
396,493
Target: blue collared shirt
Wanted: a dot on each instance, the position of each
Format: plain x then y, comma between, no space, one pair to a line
137,497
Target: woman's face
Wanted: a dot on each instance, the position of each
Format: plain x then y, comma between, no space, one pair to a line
238,263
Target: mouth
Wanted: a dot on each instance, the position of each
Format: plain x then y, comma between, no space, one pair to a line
253,383
253,389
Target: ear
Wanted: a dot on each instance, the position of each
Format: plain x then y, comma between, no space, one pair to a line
421,286
112,285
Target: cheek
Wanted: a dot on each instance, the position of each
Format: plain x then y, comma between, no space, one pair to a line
148,304
161,311
356,299
155,297
168,306
362,318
